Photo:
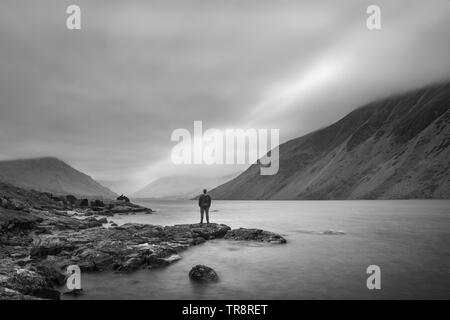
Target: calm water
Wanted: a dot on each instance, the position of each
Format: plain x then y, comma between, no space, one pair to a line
409,240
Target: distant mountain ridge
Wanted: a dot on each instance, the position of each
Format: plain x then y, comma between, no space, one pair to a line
395,148
179,187
51,175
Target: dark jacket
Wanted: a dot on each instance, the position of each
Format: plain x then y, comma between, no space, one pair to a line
204,201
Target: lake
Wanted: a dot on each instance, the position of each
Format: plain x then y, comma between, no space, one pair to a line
330,245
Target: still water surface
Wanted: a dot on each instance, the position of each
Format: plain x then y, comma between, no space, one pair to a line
409,240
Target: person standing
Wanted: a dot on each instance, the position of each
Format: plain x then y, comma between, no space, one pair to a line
204,202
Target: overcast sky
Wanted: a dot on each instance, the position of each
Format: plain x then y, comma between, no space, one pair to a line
106,98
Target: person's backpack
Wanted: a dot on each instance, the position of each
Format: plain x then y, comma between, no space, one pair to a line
205,200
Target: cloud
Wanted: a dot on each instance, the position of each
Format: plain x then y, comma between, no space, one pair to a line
107,98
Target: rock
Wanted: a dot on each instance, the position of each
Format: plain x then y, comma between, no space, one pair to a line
16,220
59,199
254,235
105,213
9,294
15,204
133,262
97,203
123,198
3,202
53,275
173,258
49,247
60,212
74,292
102,220
199,240
206,231
27,281
203,273
333,232
121,209
83,203
94,260
66,222
71,199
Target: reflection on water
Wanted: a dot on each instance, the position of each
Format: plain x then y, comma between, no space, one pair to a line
330,244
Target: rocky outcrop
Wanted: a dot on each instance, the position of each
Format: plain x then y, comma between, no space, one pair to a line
254,235
124,248
14,198
203,273
37,245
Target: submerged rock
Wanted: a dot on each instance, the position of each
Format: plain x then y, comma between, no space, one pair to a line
203,273
333,232
74,292
254,235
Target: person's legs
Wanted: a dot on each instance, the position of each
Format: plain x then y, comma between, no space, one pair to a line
207,214
201,214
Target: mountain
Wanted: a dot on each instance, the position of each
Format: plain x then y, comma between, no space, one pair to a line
51,175
395,148
179,187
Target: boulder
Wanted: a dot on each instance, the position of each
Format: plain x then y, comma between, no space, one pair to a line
53,275
202,273
123,198
83,203
71,199
3,202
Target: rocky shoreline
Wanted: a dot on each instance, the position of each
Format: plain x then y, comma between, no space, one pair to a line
40,236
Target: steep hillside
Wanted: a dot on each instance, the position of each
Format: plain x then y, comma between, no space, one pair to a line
390,149
51,175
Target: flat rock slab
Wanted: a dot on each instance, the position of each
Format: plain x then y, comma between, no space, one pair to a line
37,246
123,248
